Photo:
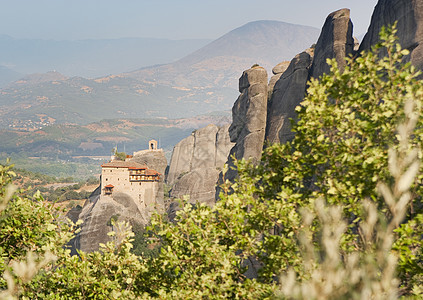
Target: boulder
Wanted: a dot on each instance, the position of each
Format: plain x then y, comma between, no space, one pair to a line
409,14
280,67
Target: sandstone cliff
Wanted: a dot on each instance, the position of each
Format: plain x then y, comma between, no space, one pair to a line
249,115
196,162
409,14
287,94
335,41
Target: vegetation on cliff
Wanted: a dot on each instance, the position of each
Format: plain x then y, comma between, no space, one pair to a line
334,214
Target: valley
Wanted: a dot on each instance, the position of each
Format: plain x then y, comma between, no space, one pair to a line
78,150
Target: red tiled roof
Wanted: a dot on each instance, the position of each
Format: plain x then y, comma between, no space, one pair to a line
109,186
124,164
151,172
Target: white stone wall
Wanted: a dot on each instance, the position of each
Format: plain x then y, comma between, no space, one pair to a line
119,177
143,193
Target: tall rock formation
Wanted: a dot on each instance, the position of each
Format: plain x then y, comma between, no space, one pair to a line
180,163
409,14
249,114
287,94
335,41
196,162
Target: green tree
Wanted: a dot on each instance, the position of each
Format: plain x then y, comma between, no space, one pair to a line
31,235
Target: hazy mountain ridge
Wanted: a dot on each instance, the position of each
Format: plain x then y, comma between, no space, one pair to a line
220,62
8,75
252,41
91,58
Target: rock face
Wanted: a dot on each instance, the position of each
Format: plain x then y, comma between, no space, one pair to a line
153,159
277,71
409,14
100,209
287,94
249,118
262,110
335,41
180,162
196,162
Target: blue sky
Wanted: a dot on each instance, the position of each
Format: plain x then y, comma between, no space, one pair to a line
172,19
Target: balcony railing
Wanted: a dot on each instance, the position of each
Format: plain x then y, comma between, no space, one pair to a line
137,178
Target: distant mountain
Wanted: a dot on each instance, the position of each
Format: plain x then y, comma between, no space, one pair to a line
91,58
221,62
202,82
265,41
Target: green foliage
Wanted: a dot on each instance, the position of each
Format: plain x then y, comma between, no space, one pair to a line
204,253
367,271
113,219
144,244
347,123
30,234
120,155
110,273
